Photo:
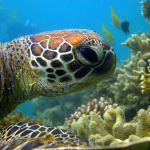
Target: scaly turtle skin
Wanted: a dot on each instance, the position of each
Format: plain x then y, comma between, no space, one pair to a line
52,64
31,135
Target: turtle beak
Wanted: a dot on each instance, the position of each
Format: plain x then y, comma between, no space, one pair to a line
108,65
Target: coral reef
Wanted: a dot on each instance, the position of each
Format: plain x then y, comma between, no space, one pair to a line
146,9
145,84
113,129
127,89
98,106
124,85
17,117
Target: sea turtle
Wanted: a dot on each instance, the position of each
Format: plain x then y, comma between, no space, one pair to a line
52,64
49,64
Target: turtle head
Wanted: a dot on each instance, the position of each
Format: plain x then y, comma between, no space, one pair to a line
67,61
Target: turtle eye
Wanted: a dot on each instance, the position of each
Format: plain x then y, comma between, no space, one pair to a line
89,55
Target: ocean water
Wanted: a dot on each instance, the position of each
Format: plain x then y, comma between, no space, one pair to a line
47,15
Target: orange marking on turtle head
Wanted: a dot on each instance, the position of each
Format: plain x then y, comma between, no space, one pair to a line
36,49
44,43
37,38
54,42
58,33
74,38
93,36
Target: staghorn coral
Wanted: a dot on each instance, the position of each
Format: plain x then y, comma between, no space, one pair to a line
99,106
17,117
113,130
146,9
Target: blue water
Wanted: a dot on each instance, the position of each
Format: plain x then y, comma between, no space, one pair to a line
47,15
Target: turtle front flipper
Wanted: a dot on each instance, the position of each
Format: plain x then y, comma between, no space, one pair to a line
27,135
52,64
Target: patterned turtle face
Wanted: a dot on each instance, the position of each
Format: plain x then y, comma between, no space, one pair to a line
70,60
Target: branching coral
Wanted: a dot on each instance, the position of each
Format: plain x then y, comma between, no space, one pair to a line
139,43
127,89
145,84
113,130
146,9
17,117
98,106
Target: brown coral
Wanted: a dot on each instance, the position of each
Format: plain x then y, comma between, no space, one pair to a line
17,117
98,106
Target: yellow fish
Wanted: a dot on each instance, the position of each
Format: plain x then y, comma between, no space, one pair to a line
108,35
115,18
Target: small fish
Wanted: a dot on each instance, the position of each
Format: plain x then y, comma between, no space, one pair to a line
125,27
115,18
108,35
5,16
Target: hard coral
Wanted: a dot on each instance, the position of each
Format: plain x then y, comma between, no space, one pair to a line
98,106
145,84
113,130
127,89
146,9
17,117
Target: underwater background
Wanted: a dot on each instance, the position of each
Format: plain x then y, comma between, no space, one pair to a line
39,16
